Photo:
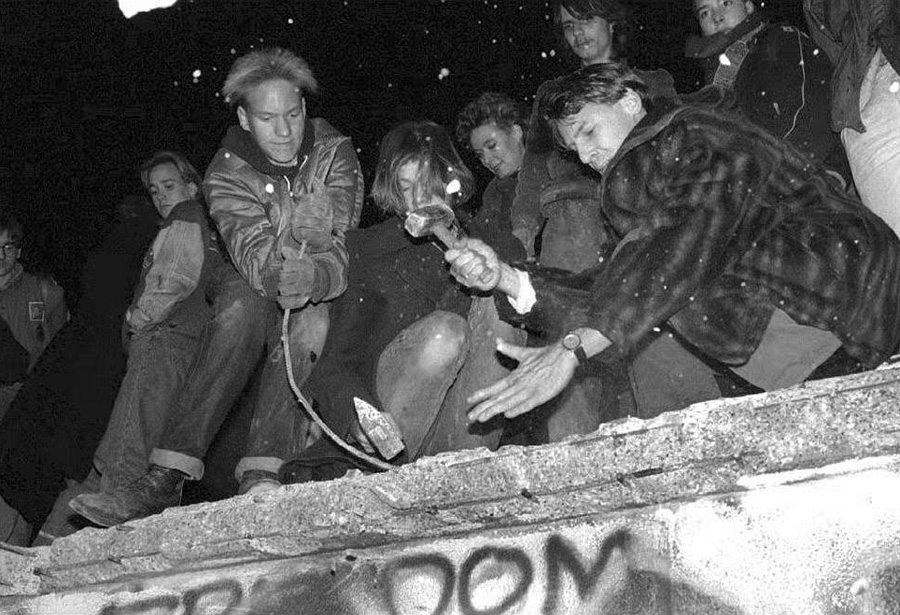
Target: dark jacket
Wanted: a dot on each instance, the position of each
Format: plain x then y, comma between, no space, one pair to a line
850,32
783,83
59,416
251,201
719,223
13,356
493,220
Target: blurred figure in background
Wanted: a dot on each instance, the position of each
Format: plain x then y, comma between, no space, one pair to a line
862,38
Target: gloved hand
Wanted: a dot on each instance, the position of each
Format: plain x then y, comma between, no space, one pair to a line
295,279
312,221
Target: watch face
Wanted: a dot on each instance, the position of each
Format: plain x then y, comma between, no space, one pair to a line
571,341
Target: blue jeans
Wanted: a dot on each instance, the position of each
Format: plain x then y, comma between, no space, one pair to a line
233,343
481,368
663,375
428,370
246,327
279,424
158,362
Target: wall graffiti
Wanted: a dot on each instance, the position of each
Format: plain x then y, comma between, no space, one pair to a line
551,575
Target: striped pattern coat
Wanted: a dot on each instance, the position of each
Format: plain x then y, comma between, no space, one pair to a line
718,223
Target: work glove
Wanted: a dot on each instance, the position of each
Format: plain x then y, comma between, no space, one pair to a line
312,221
295,279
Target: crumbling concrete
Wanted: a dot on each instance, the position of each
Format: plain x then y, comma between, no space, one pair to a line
781,503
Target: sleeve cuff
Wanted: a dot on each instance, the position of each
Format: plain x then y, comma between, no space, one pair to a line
526,298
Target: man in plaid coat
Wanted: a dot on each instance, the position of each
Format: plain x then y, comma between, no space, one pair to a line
728,236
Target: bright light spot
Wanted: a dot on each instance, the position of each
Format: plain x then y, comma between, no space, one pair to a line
544,54
196,74
553,53
443,74
233,51
894,87
724,61
270,188
816,51
130,8
290,20
453,187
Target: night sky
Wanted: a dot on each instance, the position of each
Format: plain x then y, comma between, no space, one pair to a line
88,94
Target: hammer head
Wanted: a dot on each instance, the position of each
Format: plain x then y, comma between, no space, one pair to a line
438,220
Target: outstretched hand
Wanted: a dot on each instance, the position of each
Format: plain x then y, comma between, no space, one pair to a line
541,375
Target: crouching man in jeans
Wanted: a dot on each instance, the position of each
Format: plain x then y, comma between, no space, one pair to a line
282,190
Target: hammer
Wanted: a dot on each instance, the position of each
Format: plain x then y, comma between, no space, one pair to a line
438,220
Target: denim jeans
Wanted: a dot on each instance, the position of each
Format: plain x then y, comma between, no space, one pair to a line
875,154
415,371
481,368
233,343
279,424
663,375
158,361
574,239
428,370
245,328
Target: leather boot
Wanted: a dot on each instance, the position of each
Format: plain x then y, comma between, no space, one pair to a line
152,493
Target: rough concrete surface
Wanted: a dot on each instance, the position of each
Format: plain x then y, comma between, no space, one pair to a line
762,504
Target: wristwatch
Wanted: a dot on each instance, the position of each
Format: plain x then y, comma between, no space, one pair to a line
572,341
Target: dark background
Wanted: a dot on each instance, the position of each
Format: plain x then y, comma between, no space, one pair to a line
87,94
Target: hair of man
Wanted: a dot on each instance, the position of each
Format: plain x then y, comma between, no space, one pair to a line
487,108
12,226
612,11
605,83
263,65
187,171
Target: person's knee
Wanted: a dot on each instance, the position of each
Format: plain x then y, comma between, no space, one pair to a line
445,338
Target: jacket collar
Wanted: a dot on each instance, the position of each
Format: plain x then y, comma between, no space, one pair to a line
698,46
240,142
664,110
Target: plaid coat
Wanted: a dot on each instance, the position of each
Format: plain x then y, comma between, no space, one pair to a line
718,224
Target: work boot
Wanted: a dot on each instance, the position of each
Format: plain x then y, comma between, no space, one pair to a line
152,493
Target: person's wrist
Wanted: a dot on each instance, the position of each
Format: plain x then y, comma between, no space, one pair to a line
509,280
572,342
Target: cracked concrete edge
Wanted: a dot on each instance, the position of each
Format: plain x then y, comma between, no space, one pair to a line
705,449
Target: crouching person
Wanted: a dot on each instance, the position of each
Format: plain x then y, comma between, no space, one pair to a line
406,340
733,238
283,189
